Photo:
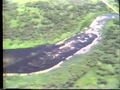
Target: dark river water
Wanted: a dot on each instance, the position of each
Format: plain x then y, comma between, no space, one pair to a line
46,56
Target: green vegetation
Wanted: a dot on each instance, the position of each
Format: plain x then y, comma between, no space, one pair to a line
37,22
114,4
82,71
27,24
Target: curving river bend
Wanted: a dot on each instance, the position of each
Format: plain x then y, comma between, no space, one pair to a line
44,57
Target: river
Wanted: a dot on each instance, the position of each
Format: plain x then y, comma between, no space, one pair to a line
44,57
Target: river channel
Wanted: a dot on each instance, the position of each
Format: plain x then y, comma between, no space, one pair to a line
44,57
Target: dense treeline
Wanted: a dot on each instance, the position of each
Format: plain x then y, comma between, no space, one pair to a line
82,71
36,23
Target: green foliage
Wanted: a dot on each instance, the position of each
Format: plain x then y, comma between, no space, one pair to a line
39,22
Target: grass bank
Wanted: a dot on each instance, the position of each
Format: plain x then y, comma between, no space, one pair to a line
87,20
